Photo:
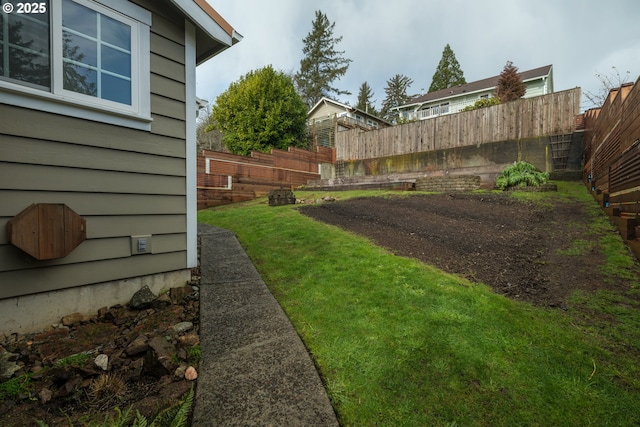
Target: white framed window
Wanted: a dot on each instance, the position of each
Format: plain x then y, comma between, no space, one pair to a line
82,58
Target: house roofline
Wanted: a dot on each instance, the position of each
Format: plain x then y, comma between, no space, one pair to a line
325,100
209,22
490,83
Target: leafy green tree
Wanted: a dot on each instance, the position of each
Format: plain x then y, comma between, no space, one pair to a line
260,111
365,103
510,86
396,95
448,73
322,63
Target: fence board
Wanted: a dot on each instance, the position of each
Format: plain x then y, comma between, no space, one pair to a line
612,157
526,118
253,176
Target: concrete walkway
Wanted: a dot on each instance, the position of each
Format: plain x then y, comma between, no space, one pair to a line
255,370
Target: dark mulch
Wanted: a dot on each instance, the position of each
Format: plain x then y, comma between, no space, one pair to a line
510,245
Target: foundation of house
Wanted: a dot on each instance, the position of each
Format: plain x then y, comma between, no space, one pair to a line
32,313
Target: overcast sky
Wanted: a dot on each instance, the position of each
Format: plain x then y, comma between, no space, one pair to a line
385,38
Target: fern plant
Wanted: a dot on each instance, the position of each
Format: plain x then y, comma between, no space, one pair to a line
175,416
521,174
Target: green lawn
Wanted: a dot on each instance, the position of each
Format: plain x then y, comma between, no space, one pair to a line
401,343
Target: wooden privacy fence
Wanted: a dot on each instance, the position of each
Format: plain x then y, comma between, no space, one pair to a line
551,114
226,178
612,158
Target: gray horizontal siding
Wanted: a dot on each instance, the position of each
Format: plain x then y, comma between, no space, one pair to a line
34,280
95,203
100,227
38,152
50,127
167,48
123,181
170,68
16,176
168,127
168,107
12,258
168,88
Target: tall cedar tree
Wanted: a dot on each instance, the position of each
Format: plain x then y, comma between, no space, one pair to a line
365,103
322,63
510,86
396,95
260,111
448,73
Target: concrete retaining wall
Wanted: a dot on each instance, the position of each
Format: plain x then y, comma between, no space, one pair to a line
485,160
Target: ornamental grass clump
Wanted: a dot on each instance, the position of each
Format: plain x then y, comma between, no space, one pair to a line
521,174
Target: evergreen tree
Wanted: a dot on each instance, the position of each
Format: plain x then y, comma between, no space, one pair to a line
396,95
259,112
322,63
365,103
448,73
510,86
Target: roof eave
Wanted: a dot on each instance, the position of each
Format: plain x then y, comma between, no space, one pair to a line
211,25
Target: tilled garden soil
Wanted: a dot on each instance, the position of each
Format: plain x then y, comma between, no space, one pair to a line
520,249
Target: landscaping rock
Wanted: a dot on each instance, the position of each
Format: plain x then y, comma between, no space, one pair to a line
75,318
159,360
137,346
8,366
102,361
183,327
191,374
143,298
128,343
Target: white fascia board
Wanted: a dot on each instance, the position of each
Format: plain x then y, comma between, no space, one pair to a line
203,21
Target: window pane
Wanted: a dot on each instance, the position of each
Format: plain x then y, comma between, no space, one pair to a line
79,18
80,79
116,61
116,89
25,48
97,54
115,33
79,49
28,31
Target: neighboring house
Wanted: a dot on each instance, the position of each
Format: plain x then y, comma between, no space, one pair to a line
347,117
97,114
539,81
328,116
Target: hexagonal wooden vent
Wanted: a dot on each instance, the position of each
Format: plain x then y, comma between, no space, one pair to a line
47,230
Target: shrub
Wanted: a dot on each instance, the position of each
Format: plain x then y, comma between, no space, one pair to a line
481,103
521,174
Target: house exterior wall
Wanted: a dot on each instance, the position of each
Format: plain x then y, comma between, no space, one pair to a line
324,112
123,181
538,87
456,104
328,111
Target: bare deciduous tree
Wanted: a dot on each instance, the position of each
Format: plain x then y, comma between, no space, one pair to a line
607,82
207,136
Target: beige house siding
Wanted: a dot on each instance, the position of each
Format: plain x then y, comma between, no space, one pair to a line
326,112
123,181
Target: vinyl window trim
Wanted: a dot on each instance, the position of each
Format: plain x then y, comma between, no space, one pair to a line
60,101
